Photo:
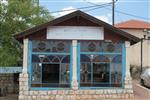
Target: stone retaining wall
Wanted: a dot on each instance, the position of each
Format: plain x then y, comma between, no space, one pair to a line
70,94
7,80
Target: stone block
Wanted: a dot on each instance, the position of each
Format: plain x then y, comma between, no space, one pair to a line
35,93
34,98
54,92
21,97
43,93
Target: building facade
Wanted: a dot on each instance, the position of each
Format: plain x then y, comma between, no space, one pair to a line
136,28
75,57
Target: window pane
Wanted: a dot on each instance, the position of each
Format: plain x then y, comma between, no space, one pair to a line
85,74
51,46
100,72
36,72
50,74
65,59
35,59
116,74
65,73
100,46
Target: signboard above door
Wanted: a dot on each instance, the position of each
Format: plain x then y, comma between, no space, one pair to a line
75,32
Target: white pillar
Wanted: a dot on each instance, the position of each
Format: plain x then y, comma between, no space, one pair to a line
128,79
74,65
25,55
128,57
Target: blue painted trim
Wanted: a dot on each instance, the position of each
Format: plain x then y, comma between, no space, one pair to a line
91,63
5,70
110,73
71,65
78,64
50,53
101,53
29,62
123,63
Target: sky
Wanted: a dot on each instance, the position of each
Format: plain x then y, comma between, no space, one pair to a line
139,8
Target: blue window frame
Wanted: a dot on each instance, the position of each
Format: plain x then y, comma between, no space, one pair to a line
50,64
100,64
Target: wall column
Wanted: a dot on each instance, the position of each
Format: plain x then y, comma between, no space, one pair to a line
127,47
24,77
25,55
74,65
128,79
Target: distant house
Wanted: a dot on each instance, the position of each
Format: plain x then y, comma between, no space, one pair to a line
136,28
75,57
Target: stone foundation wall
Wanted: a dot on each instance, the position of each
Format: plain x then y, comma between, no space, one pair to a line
7,80
70,94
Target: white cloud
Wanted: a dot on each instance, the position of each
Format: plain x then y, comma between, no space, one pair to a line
98,1
65,11
106,18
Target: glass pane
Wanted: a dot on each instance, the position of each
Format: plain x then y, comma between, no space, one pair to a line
46,60
66,59
36,72
100,46
101,58
85,58
64,74
116,72
35,59
50,73
112,47
100,72
85,74
56,60
51,46
90,46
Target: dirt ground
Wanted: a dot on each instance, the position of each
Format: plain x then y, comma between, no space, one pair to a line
140,92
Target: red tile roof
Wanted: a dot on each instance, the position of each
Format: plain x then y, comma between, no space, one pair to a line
133,24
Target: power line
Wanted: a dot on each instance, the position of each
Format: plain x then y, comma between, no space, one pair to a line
96,8
86,7
118,11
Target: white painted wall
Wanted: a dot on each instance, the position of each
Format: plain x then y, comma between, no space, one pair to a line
135,56
75,33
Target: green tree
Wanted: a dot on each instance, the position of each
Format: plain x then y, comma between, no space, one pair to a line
16,16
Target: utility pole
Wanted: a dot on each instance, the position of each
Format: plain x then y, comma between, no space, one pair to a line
113,12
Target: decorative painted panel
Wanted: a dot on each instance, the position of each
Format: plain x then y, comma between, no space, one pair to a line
51,46
100,46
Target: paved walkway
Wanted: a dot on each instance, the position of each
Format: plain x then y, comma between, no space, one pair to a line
140,92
